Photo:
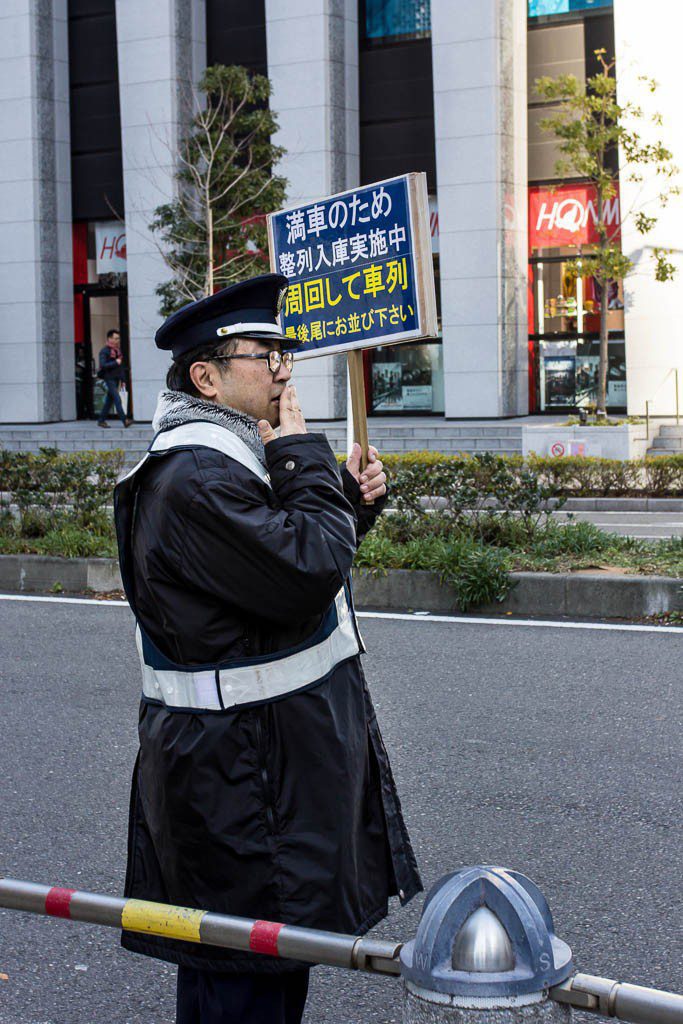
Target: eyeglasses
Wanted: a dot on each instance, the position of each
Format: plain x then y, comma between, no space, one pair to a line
275,359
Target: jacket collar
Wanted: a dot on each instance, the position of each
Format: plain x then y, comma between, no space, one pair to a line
175,407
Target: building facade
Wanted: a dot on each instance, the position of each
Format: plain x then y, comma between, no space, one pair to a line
95,94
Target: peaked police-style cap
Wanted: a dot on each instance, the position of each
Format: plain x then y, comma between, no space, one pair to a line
249,309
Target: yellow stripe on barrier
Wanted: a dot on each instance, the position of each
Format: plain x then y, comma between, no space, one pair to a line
158,919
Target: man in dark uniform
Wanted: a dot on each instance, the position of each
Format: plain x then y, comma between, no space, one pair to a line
262,787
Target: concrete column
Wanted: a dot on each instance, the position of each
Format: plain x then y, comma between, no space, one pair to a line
313,66
161,51
653,324
36,279
479,67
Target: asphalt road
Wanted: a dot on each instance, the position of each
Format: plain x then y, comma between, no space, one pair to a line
645,525
556,751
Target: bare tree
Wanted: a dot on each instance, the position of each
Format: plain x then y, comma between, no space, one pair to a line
214,231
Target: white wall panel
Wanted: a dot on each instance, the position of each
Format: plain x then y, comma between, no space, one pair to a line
653,323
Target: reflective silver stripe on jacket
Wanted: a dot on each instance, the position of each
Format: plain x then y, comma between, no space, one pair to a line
249,683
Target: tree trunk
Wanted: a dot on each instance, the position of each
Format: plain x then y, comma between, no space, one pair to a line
601,410
209,249
604,357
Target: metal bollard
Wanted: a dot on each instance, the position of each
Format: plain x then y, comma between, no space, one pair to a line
485,951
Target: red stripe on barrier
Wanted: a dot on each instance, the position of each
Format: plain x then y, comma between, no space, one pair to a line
263,937
58,902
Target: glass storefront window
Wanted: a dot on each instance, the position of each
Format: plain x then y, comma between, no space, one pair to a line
565,310
563,304
386,21
569,374
545,8
407,378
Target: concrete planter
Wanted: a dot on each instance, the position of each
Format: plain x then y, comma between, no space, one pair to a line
623,442
45,573
542,594
546,595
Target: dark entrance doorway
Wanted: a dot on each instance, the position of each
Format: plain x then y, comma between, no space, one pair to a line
103,309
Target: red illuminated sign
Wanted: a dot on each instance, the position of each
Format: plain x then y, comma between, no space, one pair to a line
567,215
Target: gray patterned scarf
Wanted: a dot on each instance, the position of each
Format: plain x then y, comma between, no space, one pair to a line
175,407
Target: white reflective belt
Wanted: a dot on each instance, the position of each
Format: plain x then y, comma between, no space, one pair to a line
251,683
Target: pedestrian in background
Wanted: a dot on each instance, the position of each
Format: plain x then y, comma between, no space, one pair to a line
111,372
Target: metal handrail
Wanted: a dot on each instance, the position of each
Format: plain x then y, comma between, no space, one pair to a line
674,370
609,998
603,996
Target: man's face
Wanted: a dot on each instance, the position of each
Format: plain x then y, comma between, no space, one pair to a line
248,384
115,339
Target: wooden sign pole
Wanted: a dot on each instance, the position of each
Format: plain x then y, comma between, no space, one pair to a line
358,408
360,416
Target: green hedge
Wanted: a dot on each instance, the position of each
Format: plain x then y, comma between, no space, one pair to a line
49,489
428,474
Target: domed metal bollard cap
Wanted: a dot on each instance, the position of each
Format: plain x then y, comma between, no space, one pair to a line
486,934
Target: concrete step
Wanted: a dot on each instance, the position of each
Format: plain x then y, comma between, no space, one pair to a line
388,437
671,430
443,431
671,444
652,452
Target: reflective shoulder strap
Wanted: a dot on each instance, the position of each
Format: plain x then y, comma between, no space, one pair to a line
203,434
199,433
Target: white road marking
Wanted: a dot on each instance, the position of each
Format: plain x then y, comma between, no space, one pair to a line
409,617
480,620
61,600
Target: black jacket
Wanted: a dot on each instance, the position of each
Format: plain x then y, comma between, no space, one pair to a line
286,811
109,369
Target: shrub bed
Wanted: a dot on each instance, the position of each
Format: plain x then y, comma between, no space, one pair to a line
426,473
57,503
471,519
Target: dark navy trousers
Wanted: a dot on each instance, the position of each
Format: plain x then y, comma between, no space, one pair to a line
113,398
207,998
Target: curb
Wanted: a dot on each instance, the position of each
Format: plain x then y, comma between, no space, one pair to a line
546,594
36,573
551,595
583,504
623,505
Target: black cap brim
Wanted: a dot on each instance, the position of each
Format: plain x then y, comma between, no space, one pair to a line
286,342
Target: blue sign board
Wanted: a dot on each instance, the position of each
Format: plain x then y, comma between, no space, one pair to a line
356,267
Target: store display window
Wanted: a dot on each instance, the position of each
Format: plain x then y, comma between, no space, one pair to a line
406,378
568,373
561,303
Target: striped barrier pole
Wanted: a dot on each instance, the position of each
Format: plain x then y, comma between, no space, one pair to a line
443,973
268,937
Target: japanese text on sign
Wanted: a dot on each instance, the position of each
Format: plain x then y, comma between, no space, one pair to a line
351,264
